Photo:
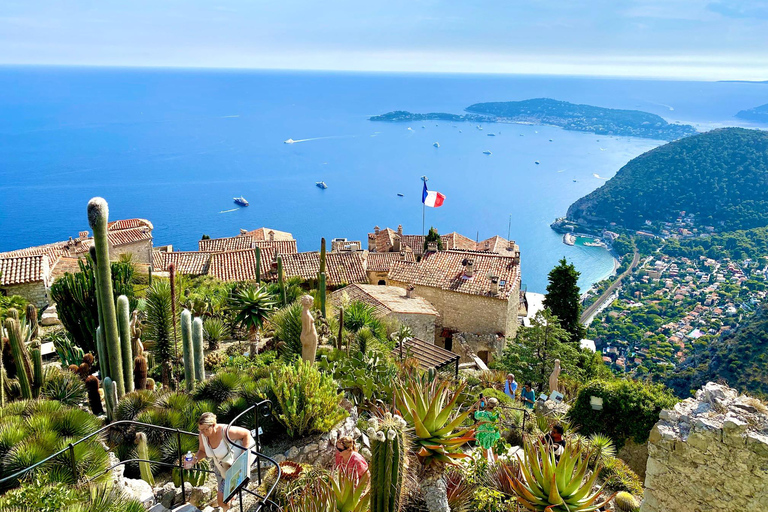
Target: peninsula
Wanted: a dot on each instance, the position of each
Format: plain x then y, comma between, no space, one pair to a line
569,116
757,114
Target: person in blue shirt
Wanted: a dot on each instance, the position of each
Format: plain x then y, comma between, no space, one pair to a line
510,386
528,396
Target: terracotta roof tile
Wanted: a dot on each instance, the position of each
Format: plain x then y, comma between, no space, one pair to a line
262,234
382,261
65,264
129,236
385,241
192,262
232,243
279,246
444,270
24,269
239,265
341,268
117,225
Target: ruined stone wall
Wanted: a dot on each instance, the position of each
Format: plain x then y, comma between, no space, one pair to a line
141,251
709,454
36,293
423,326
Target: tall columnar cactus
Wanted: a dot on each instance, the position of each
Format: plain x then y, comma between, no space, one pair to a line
172,277
322,255
186,347
34,328
143,453
321,284
126,352
258,266
98,217
101,349
110,396
149,279
20,355
13,313
140,372
197,349
341,327
94,399
37,371
281,279
2,373
388,462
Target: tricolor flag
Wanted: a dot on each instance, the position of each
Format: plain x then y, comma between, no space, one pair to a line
431,197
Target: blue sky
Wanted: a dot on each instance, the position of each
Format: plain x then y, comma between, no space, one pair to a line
699,39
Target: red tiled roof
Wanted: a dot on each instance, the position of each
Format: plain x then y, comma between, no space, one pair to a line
444,270
128,236
387,299
53,251
116,225
262,234
232,243
279,246
341,268
239,265
23,269
193,262
385,242
382,261
63,265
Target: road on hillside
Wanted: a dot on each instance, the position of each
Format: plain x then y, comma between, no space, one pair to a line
591,310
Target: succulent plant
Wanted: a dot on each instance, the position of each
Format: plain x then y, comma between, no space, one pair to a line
186,349
126,350
602,447
198,352
547,485
348,493
625,502
20,354
140,373
213,360
388,462
94,398
143,453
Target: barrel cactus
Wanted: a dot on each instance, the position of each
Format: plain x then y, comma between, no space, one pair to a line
625,502
388,462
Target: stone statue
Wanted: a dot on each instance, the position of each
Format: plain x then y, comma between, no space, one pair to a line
553,378
308,331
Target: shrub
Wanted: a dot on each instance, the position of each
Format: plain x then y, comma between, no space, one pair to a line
620,477
63,386
41,497
286,322
308,400
630,409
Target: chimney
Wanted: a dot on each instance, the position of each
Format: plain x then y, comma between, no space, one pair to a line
494,285
271,235
376,230
400,229
83,235
402,256
409,291
469,267
511,245
243,232
431,246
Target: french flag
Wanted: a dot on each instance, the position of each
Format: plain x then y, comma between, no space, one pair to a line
431,197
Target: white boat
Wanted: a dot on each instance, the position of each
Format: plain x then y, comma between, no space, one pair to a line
241,201
569,239
486,152
289,141
321,184
479,127
436,144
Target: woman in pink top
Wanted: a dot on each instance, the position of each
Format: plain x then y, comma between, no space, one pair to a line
348,460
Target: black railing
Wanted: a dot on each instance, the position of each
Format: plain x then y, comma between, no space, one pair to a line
262,408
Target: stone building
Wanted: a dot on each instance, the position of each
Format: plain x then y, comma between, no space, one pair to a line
341,268
28,276
263,238
344,245
395,302
378,264
709,454
475,293
388,240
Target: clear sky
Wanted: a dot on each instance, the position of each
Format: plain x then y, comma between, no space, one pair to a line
699,39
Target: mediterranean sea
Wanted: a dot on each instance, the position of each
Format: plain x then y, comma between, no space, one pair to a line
175,146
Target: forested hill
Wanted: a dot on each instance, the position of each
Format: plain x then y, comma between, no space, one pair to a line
720,176
741,359
758,114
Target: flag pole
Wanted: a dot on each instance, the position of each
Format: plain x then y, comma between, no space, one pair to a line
423,207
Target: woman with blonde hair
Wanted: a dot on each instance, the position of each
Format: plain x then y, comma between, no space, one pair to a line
213,443
347,458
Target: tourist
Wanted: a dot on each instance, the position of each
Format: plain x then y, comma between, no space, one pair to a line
487,432
213,443
510,386
528,396
555,440
348,460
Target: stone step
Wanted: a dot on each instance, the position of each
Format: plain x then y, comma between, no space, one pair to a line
186,508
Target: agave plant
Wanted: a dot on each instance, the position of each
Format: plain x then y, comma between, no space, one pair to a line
430,408
549,486
349,493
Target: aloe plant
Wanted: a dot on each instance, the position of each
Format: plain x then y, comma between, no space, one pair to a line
428,405
349,493
550,485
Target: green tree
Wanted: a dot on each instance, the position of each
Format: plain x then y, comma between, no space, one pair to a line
252,305
433,236
562,298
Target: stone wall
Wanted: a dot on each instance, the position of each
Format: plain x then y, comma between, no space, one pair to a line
35,293
635,455
141,251
709,454
467,344
423,326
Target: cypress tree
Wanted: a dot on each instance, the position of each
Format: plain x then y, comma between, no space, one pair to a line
562,299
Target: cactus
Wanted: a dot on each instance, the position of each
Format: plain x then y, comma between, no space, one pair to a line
281,279
13,313
186,348
341,327
388,462
172,277
2,374
34,328
197,349
143,453
150,384
126,351
94,399
140,373
321,284
193,477
101,349
20,354
625,502
258,266
37,371
149,283
98,217
110,398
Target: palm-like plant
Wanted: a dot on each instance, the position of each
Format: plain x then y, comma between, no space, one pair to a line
161,322
428,405
252,306
547,485
214,330
602,447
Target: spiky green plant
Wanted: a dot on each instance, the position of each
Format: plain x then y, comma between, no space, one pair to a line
348,493
547,485
126,351
186,349
198,353
20,355
62,385
143,453
195,476
251,307
215,331
625,502
160,324
98,218
602,447
388,462
258,266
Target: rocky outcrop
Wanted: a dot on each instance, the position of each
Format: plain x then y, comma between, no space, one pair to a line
709,454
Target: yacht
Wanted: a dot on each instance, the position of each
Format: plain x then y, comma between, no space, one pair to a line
289,141
436,144
399,194
491,134
241,201
486,152
321,184
537,162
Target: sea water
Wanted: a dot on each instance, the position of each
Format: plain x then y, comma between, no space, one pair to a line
175,146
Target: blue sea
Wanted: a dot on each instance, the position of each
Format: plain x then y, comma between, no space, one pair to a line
175,146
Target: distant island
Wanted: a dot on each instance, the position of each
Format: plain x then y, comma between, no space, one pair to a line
720,178
569,116
757,114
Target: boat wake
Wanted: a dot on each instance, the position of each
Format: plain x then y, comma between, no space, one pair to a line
598,176
227,211
292,141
